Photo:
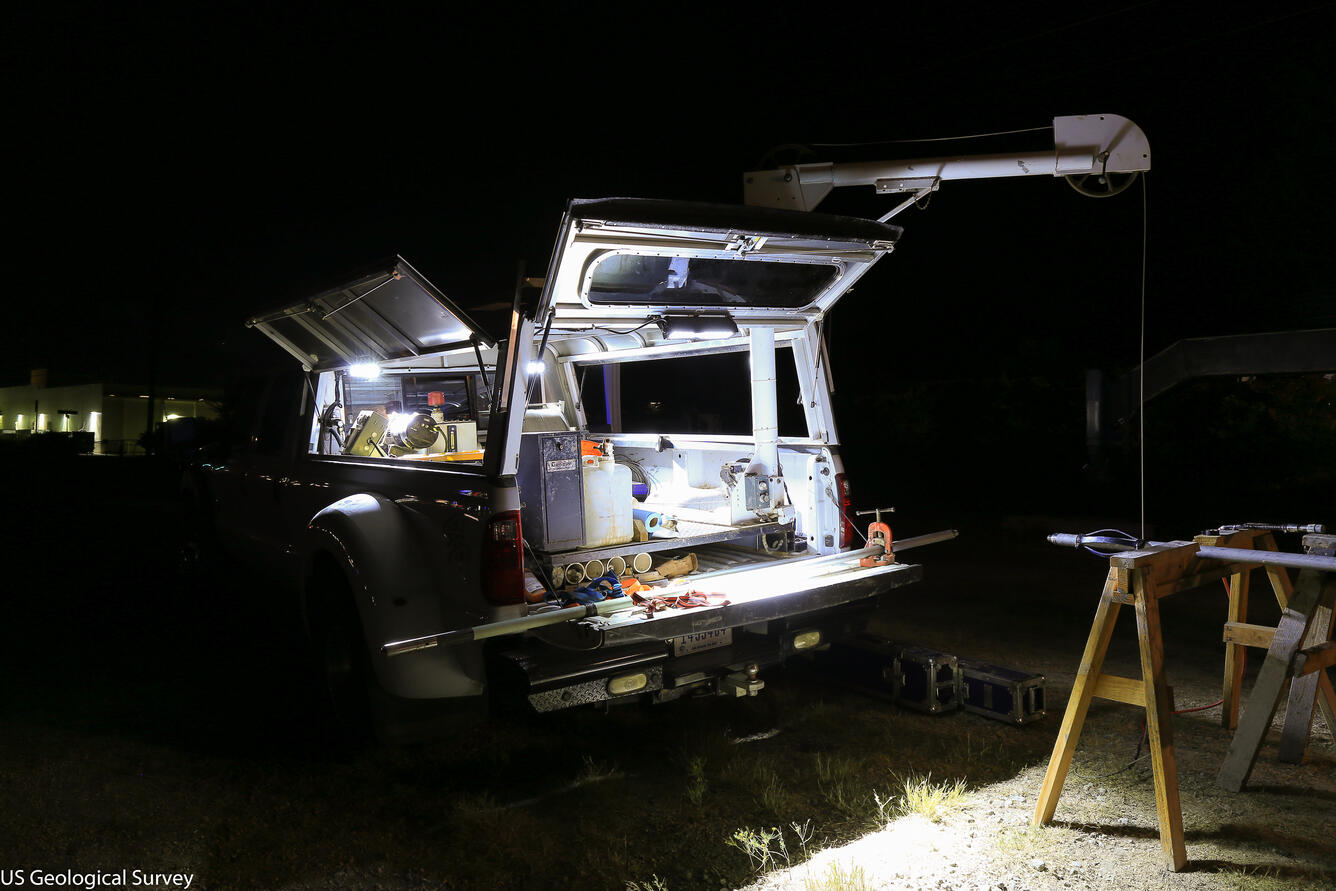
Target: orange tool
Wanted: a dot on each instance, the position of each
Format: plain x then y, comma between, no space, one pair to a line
878,533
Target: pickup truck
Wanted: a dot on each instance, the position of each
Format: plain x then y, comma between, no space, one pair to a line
439,499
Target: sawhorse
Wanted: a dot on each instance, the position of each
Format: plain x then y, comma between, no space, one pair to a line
1299,648
1142,579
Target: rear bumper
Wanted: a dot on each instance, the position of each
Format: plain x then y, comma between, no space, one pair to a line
552,677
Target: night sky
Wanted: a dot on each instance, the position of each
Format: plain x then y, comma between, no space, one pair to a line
195,169
216,166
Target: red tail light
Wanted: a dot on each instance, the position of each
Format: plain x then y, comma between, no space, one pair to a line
846,524
503,559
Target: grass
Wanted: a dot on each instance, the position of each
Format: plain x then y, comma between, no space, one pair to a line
592,771
922,796
772,793
697,783
838,877
654,884
1256,880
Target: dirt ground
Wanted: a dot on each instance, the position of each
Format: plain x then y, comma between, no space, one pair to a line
152,724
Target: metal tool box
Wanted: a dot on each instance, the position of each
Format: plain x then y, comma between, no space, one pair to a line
927,680
552,490
1005,694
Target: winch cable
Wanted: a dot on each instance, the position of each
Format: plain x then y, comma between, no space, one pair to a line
1141,360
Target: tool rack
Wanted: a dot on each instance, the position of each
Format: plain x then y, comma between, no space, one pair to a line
1299,647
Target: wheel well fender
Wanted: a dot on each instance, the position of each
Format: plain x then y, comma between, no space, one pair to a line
389,558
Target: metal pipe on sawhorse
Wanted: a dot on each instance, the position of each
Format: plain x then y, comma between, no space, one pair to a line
1142,577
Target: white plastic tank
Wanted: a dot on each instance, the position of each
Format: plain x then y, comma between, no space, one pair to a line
607,501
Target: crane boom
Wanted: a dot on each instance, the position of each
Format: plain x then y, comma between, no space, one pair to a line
1083,145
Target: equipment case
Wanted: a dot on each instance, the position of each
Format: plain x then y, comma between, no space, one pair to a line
1005,694
927,680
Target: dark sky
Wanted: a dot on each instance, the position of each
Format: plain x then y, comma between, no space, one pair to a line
200,169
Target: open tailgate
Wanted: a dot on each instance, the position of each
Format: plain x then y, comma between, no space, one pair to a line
776,590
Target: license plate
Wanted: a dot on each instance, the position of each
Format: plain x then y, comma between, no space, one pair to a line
702,640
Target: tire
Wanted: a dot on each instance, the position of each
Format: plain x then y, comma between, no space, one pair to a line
358,708
338,648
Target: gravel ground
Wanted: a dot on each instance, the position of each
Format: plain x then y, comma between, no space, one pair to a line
146,723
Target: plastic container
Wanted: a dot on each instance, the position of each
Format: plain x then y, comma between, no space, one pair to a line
607,502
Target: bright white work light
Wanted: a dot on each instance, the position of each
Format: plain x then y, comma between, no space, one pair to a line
698,326
535,367
367,371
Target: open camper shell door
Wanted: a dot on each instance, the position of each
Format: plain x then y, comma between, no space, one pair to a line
391,312
624,261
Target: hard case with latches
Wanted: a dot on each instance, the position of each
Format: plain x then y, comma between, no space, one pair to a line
865,660
1002,693
927,680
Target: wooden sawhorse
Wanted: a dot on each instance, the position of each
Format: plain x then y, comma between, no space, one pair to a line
1142,578
1298,649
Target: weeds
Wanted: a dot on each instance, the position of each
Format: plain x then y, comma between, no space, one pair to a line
838,878
832,769
763,847
654,884
842,791
1021,841
592,771
1256,879
932,800
885,809
772,793
697,783
767,849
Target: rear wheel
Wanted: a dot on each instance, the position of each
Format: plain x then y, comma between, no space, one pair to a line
339,650
358,707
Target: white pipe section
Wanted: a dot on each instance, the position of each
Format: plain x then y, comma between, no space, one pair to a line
765,411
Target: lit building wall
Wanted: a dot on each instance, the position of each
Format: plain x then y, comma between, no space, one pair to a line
116,416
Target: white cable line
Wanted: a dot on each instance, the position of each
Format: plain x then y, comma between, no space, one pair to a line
1141,375
931,139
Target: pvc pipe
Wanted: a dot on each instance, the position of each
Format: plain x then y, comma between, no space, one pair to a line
765,413
593,569
575,573
616,566
642,562
652,519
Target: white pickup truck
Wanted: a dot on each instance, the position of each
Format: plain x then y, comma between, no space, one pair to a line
427,490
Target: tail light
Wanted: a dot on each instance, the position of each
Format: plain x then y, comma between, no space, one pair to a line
846,524
503,559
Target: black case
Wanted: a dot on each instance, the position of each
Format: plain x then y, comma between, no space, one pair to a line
1005,694
866,660
927,680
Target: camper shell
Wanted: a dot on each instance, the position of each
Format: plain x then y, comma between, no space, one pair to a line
419,480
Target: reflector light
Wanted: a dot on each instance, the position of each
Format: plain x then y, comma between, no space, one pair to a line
627,683
806,640
842,492
503,559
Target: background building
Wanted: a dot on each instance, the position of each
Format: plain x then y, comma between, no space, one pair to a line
117,415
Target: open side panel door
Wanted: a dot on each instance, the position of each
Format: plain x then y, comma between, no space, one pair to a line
391,312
